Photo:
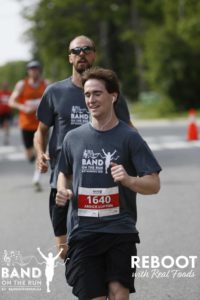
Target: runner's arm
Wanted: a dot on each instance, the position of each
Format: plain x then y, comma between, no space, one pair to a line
40,144
13,100
60,250
62,196
42,254
63,192
145,185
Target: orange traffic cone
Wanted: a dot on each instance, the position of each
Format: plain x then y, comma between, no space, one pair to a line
192,131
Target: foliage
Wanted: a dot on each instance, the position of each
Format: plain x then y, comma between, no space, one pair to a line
161,107
56,22
12,72
152,45
172,54
173,68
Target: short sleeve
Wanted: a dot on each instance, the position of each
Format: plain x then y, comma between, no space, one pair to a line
46,109
65,160
143,158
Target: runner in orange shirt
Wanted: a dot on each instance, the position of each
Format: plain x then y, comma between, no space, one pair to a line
26,97
5,111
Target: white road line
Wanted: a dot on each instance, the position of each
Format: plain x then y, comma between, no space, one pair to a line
14,153
7,149
16,156
172,145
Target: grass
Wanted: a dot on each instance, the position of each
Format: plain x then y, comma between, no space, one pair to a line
162,109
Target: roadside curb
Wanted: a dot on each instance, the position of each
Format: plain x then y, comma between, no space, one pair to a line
161,122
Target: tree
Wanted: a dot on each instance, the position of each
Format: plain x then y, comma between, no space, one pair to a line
151,46
56,22
172,54
12,72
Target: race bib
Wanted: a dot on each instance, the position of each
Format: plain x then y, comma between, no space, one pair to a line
98,202
33,103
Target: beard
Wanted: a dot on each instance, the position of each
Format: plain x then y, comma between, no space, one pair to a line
82,66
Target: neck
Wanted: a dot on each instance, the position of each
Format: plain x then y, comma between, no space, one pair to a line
34,81
76,78
106,123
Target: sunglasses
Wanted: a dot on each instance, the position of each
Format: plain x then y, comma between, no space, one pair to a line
85,49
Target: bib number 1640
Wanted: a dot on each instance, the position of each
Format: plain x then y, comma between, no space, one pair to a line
99,199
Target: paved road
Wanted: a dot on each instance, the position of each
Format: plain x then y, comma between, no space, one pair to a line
168,222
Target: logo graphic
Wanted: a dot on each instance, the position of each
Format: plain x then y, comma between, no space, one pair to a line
79,116
164,267
108,157
10,258
20,273
97,162
50,265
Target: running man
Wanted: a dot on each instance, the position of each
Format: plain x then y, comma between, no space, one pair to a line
25,98
63,108
108,157
102,213
50,265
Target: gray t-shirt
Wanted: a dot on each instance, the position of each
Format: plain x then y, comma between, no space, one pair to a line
99,204
63,108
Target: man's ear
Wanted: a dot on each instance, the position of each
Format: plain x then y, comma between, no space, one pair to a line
114,97
70,59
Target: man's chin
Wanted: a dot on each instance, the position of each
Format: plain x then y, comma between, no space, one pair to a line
82,69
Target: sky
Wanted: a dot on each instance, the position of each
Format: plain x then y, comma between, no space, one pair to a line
12,27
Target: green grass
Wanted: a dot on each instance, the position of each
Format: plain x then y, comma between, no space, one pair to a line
162,109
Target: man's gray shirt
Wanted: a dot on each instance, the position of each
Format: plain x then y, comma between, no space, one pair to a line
63,108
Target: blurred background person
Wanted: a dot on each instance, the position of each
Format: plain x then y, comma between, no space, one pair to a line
5,112
25,98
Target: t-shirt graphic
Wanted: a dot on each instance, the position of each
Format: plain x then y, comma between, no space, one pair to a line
79,116
97,162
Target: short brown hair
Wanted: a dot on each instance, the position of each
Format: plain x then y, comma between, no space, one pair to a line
108,76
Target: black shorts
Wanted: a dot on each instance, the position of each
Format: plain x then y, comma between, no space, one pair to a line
52,201
5,117
27,137
93,263
58,215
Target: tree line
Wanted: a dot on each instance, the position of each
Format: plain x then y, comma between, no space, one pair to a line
152,45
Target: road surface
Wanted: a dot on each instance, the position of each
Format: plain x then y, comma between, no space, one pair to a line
168,223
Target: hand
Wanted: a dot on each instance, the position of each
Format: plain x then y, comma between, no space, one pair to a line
119,174
27,109
62,196
61,243
42,162
63,254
